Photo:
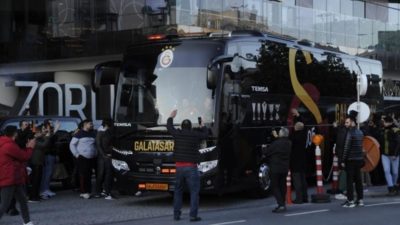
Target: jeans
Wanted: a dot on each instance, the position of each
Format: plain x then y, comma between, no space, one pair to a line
189,175
353,171
104,178
36,178
278,185
7,195
300,185
48,167
391,167
86,166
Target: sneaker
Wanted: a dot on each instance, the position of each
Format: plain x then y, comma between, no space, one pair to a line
279,209
349,204
104,194
340,197
44,196
29,223
360,203
194,219
50,193
33,200
109,197
139,193
85,195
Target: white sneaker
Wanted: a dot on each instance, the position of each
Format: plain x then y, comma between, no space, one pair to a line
139,193
340,197
108,197
50,193
29,223
85,195
44,196
360,203
349,204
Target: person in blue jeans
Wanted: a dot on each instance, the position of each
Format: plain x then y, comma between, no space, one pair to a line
186,156
50,158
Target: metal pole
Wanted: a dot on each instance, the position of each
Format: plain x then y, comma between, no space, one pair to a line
358,99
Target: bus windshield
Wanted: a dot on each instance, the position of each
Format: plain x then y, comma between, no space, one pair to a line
147,95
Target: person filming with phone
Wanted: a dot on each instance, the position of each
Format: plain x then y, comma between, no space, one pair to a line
186,156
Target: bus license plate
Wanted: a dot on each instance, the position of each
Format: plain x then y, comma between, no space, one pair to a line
156,186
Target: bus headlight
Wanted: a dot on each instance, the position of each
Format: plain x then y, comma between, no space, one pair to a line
207,165
120,165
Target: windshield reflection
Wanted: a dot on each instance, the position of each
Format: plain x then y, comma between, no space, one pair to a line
140,101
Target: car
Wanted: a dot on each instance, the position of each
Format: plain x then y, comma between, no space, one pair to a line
68,125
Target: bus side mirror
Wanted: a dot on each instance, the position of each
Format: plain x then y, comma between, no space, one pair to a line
105,74
212,75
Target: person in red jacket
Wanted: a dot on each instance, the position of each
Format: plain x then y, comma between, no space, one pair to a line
13,175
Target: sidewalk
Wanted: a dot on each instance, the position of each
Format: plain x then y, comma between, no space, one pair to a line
369,191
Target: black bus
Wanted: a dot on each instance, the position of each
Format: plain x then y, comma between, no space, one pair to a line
243,85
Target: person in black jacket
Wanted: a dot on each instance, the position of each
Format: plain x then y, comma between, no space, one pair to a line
389,145
298,162
186,156
104,179
353,161
278,158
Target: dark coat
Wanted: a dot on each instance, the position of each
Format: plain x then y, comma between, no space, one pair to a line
13,161
353,150
42,144
104,140
278,155
298,154
187,142
340,141
389,141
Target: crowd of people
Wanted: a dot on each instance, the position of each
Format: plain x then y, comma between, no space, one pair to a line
288,152
28,157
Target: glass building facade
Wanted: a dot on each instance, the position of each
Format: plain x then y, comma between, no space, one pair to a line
52,35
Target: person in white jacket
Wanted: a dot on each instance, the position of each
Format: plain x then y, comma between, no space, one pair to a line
83,148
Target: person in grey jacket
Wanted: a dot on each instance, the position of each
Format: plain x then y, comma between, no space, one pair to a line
353,161
83,147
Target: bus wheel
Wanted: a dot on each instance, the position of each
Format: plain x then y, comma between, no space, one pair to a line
264,180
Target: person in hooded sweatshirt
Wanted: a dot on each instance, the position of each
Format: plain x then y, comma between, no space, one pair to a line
13,174
83,148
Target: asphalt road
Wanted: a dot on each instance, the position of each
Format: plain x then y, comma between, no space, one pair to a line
156,209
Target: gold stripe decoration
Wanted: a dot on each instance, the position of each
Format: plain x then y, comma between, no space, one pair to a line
300,92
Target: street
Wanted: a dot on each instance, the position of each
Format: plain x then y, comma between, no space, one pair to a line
156,208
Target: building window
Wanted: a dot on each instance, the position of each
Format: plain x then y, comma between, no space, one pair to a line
359,8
